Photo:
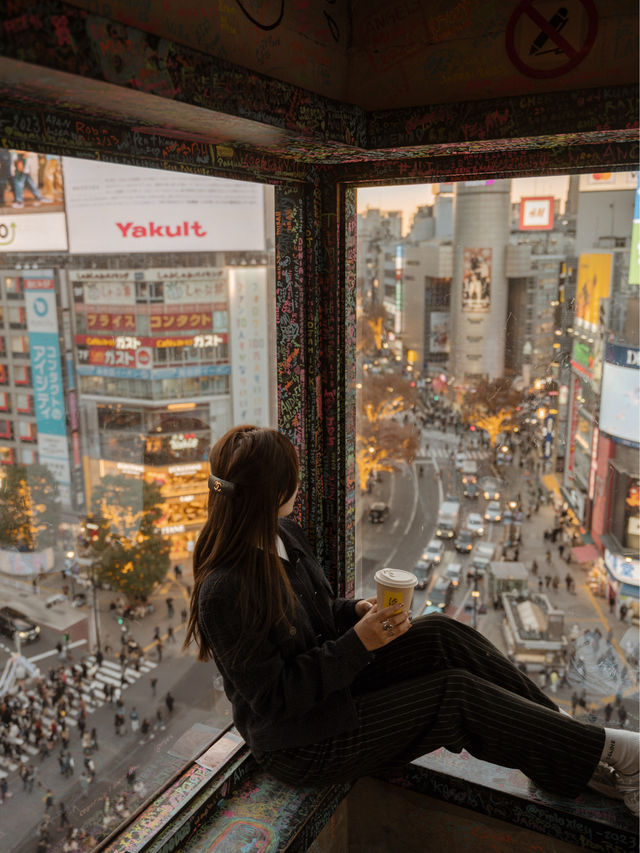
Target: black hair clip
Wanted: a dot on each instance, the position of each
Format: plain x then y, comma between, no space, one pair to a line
222,487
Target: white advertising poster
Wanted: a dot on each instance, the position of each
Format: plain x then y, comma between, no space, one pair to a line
113,208
33,232
439,331
249,345
476,280
620,402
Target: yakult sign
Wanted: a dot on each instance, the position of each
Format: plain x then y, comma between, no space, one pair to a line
113,208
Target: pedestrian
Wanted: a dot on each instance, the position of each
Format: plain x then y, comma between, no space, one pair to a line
534,567
154,684
64,820
612,603
131,777
608,712
117,722
170,634
547,581
24,775
381,688
623,611
156,633
184,615
47,799
609,636
582,699
84,783
31,777
567,580
135,719
4,790
170,607
553,678
555,583
169,702
90,767
622,715
177,572
540,584
99,657
159,649
94,739
144,728
547,557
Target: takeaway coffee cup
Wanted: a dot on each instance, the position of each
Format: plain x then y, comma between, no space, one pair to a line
395,586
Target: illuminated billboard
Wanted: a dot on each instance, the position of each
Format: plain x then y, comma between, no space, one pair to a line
620,399
113,208
476,280
593,285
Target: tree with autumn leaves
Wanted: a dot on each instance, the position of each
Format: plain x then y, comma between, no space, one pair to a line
128,551
490,405
29,508
381,442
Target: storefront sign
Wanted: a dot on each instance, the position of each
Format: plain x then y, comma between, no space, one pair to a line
623,569
113,208
249,345
183,441
536,213
46,370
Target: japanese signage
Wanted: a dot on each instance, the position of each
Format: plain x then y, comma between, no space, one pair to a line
476,280
113,208
249,345
46,371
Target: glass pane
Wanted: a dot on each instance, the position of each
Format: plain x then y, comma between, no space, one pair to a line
498,418
138,325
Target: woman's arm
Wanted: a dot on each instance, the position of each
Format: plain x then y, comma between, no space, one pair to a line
272,682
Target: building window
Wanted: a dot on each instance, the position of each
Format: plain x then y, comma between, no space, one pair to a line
17,318
12,287
22,375
20,345
24,404
27,431
6,428
4,402
6,455
28,456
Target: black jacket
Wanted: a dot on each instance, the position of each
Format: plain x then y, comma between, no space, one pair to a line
294,690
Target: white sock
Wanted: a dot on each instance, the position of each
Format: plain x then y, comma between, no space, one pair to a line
622,750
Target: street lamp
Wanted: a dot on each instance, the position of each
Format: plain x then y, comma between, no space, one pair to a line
475,594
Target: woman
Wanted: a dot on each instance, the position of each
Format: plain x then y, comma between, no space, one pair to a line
328,689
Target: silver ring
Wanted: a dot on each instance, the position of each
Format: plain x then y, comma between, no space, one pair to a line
386,625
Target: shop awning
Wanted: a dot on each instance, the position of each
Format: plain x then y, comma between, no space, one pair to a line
628,589
584,553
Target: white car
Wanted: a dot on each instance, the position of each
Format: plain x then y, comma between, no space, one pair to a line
434,552
475,523
493,512
461,458
453,573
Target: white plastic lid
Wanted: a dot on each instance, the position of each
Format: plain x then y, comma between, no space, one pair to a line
395,578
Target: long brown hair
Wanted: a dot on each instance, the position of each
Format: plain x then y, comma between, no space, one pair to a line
242,528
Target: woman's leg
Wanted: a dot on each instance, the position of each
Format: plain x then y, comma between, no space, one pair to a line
459,710
435,643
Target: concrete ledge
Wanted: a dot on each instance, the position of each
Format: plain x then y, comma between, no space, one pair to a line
441,801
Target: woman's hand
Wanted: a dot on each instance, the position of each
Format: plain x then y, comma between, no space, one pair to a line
379,627
364,605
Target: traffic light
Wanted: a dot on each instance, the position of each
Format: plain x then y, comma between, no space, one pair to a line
472,428
120,620
435,398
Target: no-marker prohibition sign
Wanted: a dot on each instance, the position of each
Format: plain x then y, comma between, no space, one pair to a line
548,38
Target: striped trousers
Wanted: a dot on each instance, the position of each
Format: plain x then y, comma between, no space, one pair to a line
442,684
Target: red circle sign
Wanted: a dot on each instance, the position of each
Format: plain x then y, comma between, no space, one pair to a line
547,37
143,357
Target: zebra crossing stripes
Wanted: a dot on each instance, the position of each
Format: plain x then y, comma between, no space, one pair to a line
443,452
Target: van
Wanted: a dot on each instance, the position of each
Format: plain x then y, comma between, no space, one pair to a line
469,471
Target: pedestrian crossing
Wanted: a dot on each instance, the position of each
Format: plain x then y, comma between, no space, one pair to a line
442,452
92,691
